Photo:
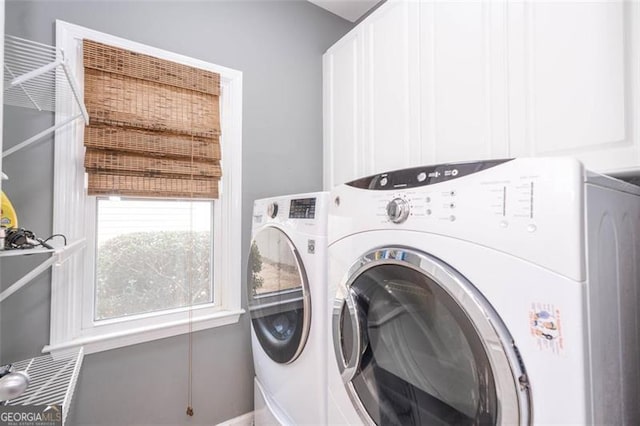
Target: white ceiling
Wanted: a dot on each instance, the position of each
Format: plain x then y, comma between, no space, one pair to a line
347,9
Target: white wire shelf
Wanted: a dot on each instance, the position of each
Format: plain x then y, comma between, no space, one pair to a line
34,75
58,257
52,381
25,252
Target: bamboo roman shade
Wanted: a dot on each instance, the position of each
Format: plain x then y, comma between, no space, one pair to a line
155,125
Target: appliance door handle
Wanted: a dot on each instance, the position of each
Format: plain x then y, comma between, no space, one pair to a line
349,367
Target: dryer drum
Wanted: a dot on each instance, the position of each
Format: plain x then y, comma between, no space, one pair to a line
421,358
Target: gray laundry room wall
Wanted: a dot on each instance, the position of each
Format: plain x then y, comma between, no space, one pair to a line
278,45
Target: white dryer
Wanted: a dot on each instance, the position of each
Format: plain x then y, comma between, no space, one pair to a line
286,279
497,292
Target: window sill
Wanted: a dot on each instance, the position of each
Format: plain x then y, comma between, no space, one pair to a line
104,342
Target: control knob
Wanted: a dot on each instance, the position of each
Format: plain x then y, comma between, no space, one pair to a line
398,210
272,210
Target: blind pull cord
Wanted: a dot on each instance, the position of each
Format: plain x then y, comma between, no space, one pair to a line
191,248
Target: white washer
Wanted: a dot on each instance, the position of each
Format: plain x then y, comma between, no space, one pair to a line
286,279
502,292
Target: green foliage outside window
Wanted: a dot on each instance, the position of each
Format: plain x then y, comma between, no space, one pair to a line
150,271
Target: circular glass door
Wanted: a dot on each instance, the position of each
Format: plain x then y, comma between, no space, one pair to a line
278,291
410,343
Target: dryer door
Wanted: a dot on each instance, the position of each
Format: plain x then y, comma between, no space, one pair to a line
417,344
278,291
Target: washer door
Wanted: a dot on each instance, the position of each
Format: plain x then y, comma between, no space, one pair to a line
417,344
278,291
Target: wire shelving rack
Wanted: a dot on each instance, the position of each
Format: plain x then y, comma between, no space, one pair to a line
36,75
53,380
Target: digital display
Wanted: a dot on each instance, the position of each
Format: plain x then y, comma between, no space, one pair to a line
302,208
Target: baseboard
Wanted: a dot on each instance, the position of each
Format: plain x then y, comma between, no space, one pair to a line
242,420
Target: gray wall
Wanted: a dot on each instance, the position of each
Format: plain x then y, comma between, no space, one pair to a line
278,46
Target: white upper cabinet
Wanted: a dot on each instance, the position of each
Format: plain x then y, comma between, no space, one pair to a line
343,110
573,71
430,82
371,96
463,82
391,96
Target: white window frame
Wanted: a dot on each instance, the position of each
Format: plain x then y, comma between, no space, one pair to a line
70,300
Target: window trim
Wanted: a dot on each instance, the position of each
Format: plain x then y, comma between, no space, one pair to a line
70,206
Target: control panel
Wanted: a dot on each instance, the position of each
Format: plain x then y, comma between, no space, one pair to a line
300,208
433,194
302,213
401,206
506,201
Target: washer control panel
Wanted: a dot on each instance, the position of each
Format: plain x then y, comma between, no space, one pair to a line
307,213
299,208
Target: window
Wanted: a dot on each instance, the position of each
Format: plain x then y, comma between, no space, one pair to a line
143,265
149,265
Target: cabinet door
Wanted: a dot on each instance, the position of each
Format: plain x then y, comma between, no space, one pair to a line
343,147
574,72
463,82
391,79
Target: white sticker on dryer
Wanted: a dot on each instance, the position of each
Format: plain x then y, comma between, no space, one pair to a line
545,325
